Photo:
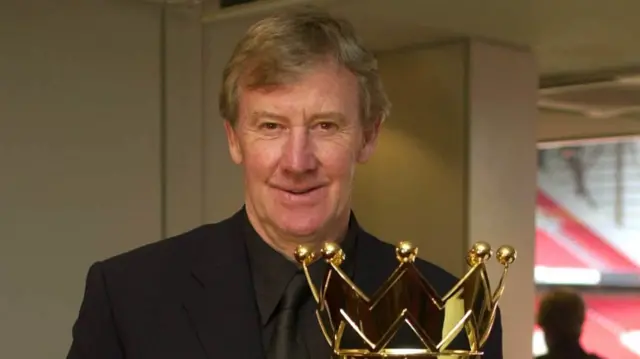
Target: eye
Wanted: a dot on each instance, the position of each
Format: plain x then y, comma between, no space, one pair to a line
327,126
269,126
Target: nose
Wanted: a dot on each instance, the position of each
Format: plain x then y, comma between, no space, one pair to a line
298,155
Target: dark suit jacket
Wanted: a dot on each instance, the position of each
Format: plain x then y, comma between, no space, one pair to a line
191,297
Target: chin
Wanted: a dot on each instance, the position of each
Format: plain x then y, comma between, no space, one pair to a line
302,223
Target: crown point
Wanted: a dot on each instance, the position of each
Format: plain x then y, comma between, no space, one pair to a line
479,253
406,252
303,255
506,255
332,253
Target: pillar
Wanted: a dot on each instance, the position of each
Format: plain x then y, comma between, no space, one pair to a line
456,164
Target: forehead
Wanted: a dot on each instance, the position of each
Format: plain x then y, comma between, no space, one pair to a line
324,87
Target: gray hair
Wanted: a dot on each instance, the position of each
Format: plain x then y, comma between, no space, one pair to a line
280,48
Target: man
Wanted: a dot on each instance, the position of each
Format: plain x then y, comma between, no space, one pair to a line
303,105
561,316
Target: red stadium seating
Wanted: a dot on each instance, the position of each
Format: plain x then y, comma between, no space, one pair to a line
606,257
550,254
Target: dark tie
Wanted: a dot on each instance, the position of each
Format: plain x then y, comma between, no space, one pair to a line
286,343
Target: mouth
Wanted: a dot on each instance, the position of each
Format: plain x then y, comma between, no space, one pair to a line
299,191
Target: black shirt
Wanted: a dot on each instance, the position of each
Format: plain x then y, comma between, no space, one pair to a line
271,272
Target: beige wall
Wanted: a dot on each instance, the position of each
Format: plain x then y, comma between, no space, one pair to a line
220,172
79,150
412,189
185,131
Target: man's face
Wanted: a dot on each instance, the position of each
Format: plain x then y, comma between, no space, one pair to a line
299,145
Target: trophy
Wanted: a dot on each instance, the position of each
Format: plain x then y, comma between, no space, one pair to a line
409,302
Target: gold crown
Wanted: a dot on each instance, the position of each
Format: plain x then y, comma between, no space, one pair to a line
407,300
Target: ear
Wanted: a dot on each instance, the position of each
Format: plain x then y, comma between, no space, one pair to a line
234,145
369,141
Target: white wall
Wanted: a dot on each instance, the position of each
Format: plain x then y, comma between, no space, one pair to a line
79,155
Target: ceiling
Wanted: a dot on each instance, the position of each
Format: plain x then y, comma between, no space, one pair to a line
567,35
579,35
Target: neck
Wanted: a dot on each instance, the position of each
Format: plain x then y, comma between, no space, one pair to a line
564,344
286,243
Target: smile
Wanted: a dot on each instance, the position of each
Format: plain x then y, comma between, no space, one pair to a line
307,195
301,191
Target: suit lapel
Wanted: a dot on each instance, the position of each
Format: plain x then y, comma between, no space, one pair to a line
220,300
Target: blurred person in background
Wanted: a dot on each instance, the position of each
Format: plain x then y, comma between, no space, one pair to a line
561,316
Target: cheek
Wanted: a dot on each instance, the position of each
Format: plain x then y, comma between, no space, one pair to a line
337,158
261,158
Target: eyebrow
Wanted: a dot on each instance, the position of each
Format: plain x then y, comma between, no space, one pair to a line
336,116
331,115
268,115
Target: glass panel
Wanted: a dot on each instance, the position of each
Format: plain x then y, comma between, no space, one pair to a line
588,238
588,214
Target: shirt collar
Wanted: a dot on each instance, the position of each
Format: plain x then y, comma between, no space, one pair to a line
271,271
